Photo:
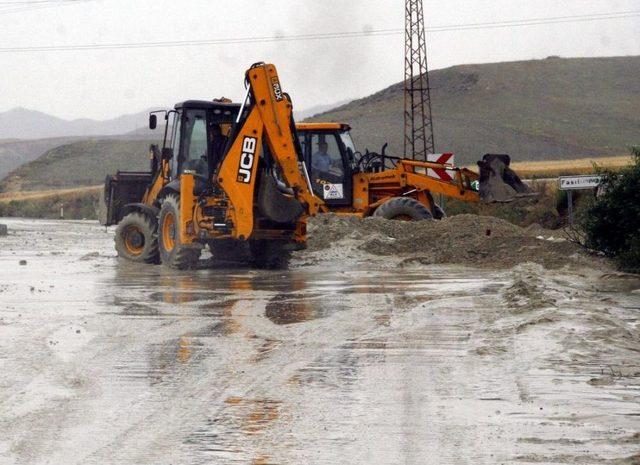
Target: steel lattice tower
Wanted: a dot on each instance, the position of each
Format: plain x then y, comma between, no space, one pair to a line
418,124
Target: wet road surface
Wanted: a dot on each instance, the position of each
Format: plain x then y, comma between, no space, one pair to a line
106,362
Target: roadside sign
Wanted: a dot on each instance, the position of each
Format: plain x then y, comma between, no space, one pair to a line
575,183
572,183
440,158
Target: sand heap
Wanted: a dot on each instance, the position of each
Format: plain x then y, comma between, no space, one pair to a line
462,239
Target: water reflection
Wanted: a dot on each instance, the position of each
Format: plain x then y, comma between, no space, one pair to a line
250,344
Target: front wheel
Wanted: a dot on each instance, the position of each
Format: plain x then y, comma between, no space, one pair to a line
173,252
403,209
136,238
438,212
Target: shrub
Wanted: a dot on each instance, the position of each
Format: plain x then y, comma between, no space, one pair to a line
612,224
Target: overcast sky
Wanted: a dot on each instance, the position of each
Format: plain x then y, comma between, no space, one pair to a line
106,83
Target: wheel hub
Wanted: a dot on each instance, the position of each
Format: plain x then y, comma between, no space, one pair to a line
136,240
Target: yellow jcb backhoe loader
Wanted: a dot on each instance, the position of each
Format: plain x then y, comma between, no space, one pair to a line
226,172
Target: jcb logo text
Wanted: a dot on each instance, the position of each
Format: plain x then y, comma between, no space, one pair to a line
247,159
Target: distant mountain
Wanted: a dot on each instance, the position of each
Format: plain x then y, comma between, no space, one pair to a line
20,123
534,110
316,110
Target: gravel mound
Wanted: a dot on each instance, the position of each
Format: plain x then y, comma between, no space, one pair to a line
463,239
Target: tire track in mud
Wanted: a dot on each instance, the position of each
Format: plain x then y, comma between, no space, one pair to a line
257,381
555,325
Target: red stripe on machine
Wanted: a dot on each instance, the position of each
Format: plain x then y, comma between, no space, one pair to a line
440,173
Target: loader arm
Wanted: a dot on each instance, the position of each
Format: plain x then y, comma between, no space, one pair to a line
268,122
414,173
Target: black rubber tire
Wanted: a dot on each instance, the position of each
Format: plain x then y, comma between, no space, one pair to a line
438,212
403,208
176,255
269,255
145,242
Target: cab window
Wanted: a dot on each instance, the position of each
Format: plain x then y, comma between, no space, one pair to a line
174,143
194,147
326,160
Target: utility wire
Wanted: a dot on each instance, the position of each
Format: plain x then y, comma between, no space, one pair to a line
7,8
324,36
37,1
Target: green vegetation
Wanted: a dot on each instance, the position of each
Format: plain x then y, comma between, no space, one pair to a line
551,109
612,223
14,153
79,164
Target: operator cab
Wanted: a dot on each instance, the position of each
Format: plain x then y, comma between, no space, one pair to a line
197,135
329,154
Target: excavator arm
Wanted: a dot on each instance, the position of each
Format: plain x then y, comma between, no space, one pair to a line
265,122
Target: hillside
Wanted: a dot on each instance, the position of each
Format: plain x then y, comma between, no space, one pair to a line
535,110
14,153
84,163
20,123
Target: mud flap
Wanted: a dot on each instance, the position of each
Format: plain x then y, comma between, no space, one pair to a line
274,204
498,182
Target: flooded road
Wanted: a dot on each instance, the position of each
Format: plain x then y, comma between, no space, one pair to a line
107,362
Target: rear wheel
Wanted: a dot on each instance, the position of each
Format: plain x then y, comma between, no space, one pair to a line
136,238
172,252
403,209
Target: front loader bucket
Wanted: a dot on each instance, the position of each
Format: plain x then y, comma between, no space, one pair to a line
498,182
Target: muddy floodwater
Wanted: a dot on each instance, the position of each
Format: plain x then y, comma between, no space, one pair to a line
337,362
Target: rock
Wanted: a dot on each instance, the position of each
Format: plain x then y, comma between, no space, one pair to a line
3,230
23,262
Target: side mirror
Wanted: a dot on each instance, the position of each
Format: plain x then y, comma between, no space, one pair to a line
153,121
167,153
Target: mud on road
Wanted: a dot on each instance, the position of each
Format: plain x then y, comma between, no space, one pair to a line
472,240
340,359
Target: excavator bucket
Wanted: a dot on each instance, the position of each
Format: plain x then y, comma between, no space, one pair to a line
498,182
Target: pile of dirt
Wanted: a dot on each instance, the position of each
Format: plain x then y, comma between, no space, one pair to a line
463,239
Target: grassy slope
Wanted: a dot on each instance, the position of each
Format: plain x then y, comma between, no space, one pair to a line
14,153
534,110
79,164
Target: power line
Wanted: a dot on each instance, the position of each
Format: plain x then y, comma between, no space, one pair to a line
25,6
325,36
37,1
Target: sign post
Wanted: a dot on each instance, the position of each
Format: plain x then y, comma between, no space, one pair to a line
575,183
